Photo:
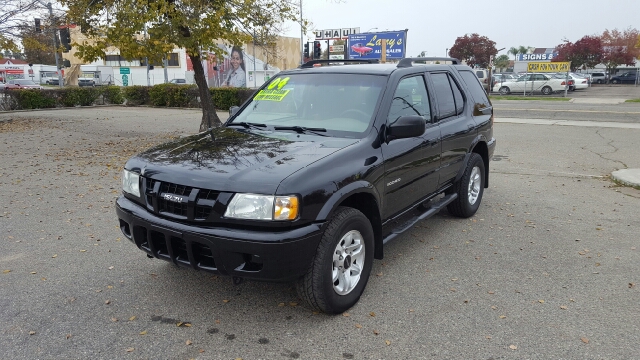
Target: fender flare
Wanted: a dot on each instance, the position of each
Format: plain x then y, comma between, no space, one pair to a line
476,141
341,194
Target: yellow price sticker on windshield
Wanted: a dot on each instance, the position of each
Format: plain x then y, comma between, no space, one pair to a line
279,82
271,95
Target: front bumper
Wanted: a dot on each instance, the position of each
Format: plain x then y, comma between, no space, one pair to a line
258,255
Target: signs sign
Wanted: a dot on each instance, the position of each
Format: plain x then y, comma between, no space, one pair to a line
369,46
549,66
335,33
530,57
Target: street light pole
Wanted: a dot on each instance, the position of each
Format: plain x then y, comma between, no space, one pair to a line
301,36
55,43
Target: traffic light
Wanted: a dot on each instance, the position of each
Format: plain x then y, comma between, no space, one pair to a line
38,28
317,50
65,38
306,50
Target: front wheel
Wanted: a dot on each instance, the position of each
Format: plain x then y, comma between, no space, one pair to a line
469,189
340,269
547,90
614,81
504,90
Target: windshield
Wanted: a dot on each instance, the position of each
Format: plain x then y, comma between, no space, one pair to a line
340,104
25,82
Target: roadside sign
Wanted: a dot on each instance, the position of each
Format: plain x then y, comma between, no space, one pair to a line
548,66
336,57
125,79
336,48
125,70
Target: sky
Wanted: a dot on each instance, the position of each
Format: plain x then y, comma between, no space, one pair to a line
435,25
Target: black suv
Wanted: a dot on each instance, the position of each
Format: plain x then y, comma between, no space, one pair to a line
307,180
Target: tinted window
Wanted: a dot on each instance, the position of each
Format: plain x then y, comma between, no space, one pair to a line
457,95
410,98
444,95
480,74
477,92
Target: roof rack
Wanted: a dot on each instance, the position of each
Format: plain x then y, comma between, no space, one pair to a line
408,62
313,63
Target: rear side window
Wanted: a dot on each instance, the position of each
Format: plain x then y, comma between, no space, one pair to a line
480,74
477,92
444,95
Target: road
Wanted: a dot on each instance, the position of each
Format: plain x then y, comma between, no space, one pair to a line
564,110
547,269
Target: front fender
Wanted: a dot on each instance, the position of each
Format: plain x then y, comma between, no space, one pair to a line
343,193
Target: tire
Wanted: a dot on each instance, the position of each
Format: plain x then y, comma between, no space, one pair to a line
614,81
599,81
547,90
504,90
328,286
469,189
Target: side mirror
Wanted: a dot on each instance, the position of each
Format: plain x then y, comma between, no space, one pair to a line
406,127
233,110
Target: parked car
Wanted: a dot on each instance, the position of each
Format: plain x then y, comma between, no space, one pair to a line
22,84
500,78
178,81
581,82
311,176
599,77
53,82
626,78
482,74
531,83
86,82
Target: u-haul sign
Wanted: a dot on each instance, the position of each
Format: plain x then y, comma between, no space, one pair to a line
335,33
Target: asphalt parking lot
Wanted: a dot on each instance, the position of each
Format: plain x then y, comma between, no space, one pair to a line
547,269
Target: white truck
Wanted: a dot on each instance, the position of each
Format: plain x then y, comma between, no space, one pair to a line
533,83
95,75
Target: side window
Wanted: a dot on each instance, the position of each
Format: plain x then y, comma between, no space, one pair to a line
477,92
457,95
480,74
410,98
444,95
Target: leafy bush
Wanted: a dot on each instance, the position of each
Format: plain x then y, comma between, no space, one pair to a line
158,94
179,95
112,94
73,96
30,99
224,98
136,95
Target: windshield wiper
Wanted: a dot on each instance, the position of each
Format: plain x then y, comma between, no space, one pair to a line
301,129
247,125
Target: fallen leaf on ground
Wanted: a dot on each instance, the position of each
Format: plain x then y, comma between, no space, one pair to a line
33,273
359,326
132,318
179,324
372,314
631,285
143,332
110,267
32,332
293,303
108,302
488,337
513,347
541,301
563,307
188,342
114,319
86,251
6,271
68,336
376,332
281,304
201,351
502,317
491,292
345,314
55,256
225,301
387,342
187,324
130,349
584,340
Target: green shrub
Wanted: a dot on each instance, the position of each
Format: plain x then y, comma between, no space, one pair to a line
33,99
136,95
86,96
179,95
158,94
224,98
67,96
112,94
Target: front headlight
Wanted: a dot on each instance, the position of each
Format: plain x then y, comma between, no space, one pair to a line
262,207
131,183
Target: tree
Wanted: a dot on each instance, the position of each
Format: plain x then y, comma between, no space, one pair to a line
38,46
12,17
513,51
584,53
474,49
619,48
501,62
195,25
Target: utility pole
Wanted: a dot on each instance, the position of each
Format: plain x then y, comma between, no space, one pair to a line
55,43
301,35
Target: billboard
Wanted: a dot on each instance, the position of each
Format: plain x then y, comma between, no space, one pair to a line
548,66
369,45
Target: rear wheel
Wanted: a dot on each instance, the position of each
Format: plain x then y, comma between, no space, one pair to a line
340,269
469,189
504,90
599,81
547,90
614,81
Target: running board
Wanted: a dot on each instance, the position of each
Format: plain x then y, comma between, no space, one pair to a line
429,212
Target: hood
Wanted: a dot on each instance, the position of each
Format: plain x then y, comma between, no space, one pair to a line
234,160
